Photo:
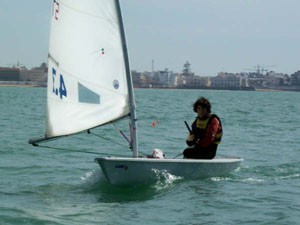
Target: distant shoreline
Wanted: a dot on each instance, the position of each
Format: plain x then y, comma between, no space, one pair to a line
268,90
22,84
294,89
18,85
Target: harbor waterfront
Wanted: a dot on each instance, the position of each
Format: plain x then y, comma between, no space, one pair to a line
263,89
65,185
245,81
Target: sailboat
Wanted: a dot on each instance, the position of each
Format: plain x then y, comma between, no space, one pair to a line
90,85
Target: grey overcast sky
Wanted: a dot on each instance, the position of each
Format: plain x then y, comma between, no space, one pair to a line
213,35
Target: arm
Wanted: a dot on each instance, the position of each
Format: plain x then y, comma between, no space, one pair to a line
210,134
190,140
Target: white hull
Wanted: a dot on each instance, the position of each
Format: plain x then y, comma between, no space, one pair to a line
124,171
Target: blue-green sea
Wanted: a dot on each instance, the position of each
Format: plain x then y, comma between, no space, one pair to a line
63,184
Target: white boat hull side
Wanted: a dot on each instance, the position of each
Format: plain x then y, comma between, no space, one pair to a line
122,171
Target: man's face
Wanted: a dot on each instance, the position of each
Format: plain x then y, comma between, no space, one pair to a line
201,111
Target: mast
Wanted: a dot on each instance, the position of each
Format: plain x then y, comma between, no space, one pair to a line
129,83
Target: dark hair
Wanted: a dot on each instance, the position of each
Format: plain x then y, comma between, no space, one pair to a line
204,103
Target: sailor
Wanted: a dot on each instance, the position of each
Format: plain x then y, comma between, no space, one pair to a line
206,132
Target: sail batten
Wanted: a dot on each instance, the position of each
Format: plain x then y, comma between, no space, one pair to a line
87,83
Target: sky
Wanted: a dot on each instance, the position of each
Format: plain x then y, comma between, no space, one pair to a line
213,35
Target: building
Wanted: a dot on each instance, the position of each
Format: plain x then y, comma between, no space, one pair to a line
136,78
295,78
226,80
197,81
163,78
9,74
36,74
193,81
273,79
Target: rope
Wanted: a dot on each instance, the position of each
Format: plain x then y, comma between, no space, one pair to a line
90,152
122,133
96,153
89,132
80,151
65,149
107,139
177,155
83,151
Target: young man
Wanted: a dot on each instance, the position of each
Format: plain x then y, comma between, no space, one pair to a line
206,132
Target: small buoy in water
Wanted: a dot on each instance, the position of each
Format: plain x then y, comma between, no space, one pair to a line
154,123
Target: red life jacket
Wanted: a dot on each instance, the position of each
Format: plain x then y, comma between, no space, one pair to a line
200,127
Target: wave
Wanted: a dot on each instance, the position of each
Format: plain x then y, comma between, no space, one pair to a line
270,173
95,183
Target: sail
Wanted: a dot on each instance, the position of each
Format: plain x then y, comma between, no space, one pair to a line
87,84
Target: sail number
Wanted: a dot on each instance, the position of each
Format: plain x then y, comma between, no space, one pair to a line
60,89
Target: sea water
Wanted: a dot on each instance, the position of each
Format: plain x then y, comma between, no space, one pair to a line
63,185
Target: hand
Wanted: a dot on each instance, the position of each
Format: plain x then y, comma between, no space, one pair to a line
190,137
